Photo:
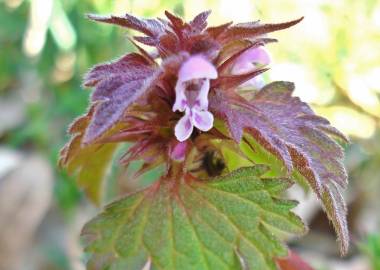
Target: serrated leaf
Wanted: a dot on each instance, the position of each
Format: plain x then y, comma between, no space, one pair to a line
93,164
288,128
336,210
151,27
90,166
332,200
200,21
88,162
230,222
117,86
253,30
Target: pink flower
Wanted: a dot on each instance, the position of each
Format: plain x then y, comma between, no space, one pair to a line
178,151
250,60
192,89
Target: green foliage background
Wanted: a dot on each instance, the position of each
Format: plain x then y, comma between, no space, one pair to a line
332,56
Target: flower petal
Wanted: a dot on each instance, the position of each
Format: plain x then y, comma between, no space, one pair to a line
180,103
184,127
202,98
203,120
251,59
255,83
178,151
197,67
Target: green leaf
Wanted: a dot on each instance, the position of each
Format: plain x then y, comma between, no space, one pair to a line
331,199
231,222
259,155
89,163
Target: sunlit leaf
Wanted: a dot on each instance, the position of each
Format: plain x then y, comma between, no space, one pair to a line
289,129
230,222
252,30
117,85
88,162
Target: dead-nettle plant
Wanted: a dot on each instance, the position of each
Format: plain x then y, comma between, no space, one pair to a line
196,104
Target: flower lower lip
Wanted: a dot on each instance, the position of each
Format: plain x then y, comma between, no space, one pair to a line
192,96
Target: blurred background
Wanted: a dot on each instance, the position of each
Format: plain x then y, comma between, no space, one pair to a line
46,46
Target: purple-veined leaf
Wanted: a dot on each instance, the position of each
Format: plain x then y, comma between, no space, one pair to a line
117,86
200,21
151,27
288,128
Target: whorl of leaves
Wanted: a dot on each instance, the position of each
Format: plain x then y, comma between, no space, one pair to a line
120,83
133,97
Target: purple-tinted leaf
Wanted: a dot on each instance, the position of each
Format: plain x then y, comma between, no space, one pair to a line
176,22
253,30
276,115
336,210
288,128
131,65
117,85
239,118
168,44
150,27
149,56
232,81
216,31
200,21
146,40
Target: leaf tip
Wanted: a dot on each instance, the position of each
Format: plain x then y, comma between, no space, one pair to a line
94,17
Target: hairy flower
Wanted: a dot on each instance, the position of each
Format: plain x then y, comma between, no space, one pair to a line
191,90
